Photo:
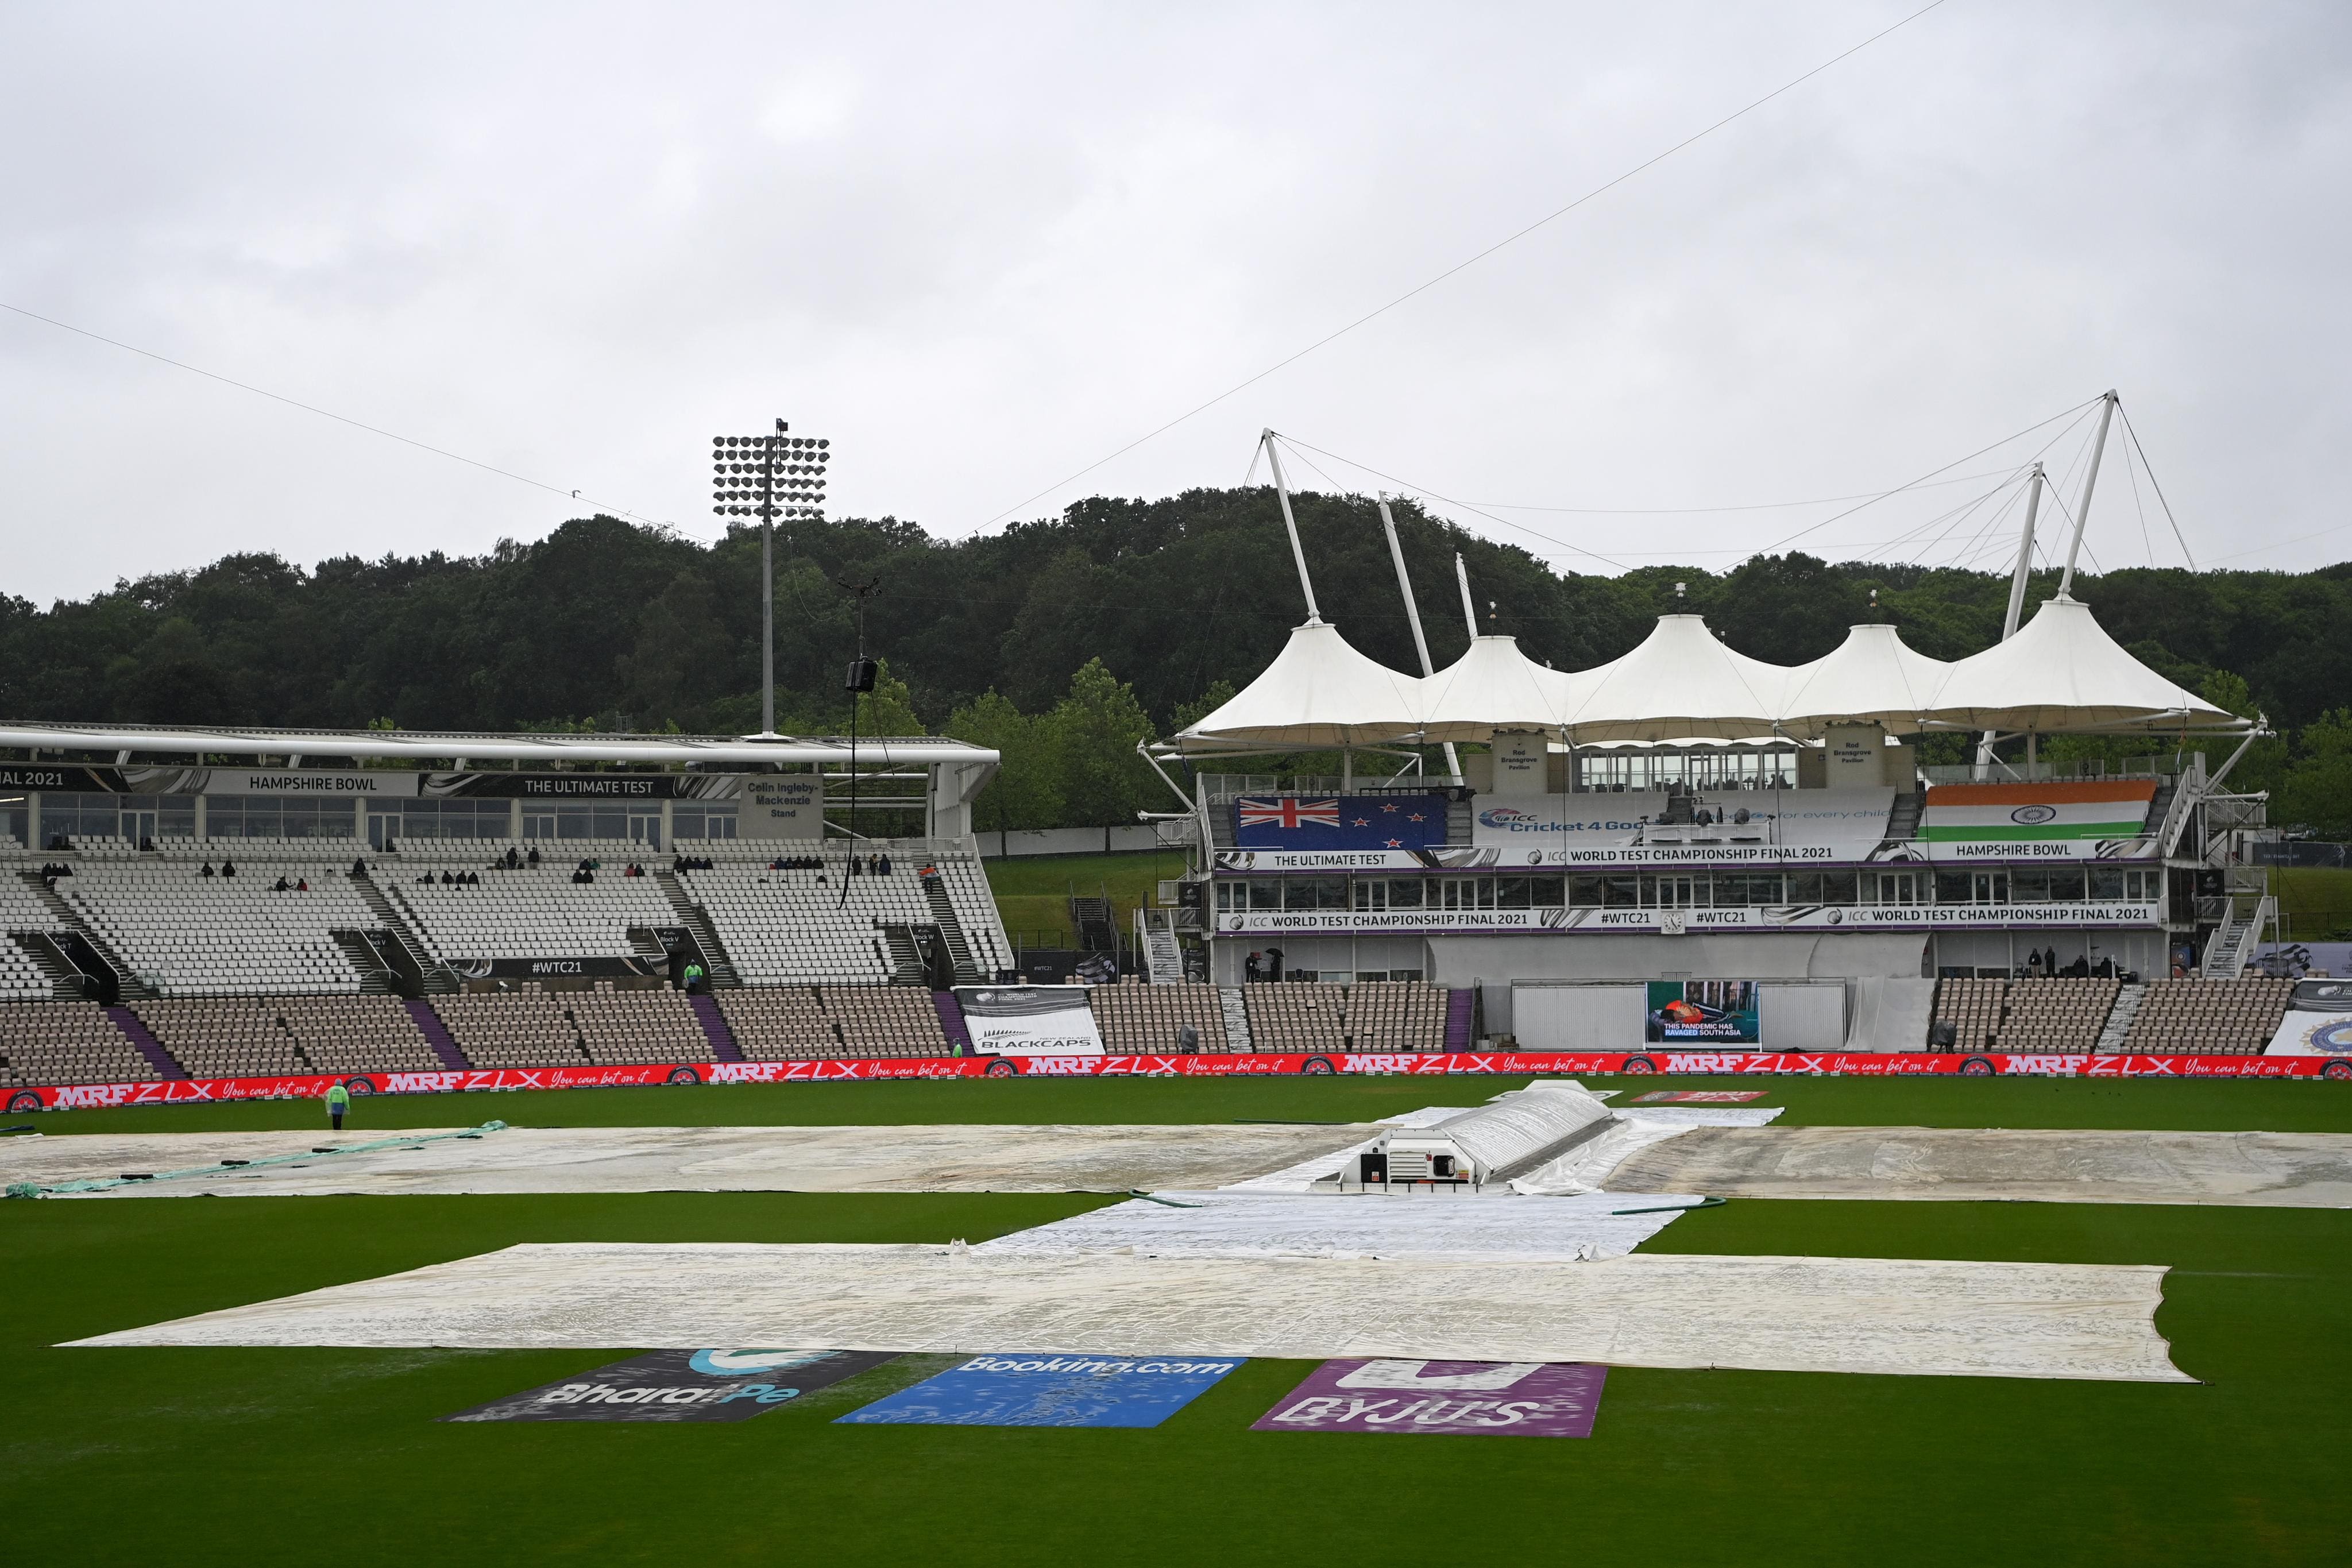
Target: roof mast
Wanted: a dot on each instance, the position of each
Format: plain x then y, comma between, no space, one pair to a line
1282,488
1412,614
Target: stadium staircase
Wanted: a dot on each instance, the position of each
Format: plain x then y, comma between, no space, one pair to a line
134,1029
1460,1018
1090,918
375,974
1237,1013
1163,961
951,932
408,959
2232,947
436,1034
65,980
951,1023
717,967
129,987
906,965
2119,1020
2168,814
723,1045
1461,821
1903,822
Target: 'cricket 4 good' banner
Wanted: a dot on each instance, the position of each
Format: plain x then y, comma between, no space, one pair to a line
1721,1011
1030,1020
1443,1399
2101,821
681,1385
1365,822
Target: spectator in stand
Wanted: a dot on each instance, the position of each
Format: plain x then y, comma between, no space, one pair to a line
302,884
534,857
1274,963
206,872
359,870
1251,967
886,865
2032,965
281,886
228,868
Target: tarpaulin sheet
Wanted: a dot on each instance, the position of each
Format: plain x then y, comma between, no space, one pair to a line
1517,1129
2278,1170
977,1157
1365,1225
1587,1166
1899,1316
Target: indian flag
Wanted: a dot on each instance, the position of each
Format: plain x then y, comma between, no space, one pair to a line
1992,811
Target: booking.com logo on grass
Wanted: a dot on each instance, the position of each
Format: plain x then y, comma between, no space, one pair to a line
1017,1390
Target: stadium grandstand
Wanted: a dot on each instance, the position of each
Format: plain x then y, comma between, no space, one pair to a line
1683,844
1685,815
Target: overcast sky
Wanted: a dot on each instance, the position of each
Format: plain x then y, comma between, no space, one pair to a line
981,247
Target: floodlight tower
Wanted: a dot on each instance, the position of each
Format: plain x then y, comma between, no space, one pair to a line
769,477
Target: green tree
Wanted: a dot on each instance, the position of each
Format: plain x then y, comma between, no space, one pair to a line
1027,792
1095,729
2318,792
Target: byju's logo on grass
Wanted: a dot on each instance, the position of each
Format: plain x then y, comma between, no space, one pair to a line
681,1385
1052,1390
1442,1398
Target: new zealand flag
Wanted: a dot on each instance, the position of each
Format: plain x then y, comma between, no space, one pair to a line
1340,822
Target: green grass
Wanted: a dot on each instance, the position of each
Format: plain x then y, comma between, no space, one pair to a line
264,1456
1033,894
2316,904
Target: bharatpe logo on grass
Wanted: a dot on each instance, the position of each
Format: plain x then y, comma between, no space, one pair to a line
1051,1391
1442,1398
681,1385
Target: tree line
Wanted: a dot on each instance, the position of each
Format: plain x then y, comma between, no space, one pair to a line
1062,641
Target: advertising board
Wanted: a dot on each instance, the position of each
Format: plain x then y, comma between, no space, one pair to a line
1030,1020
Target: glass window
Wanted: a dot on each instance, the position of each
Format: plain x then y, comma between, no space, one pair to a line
2029,885
2065,884
1955,887
1511,893
1266,893
1584,892
1839,887
2106,882
1621,892
1547,892
1404,892
702,821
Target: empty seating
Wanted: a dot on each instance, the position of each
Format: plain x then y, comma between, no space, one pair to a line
2208,1018
21,979
184,933
810,925
1145,1018
57,1042
532,912
1973,1009
801,1023
2055,1015
603,1028
266,1037
1377,1015
2031,1016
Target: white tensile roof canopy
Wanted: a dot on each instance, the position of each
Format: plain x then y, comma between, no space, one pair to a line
1680,682
1318,692
1494,686
2060,672
1871,678
2063,671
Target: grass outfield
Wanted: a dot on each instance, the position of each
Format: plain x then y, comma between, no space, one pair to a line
1032,893
2317,903
268,1457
